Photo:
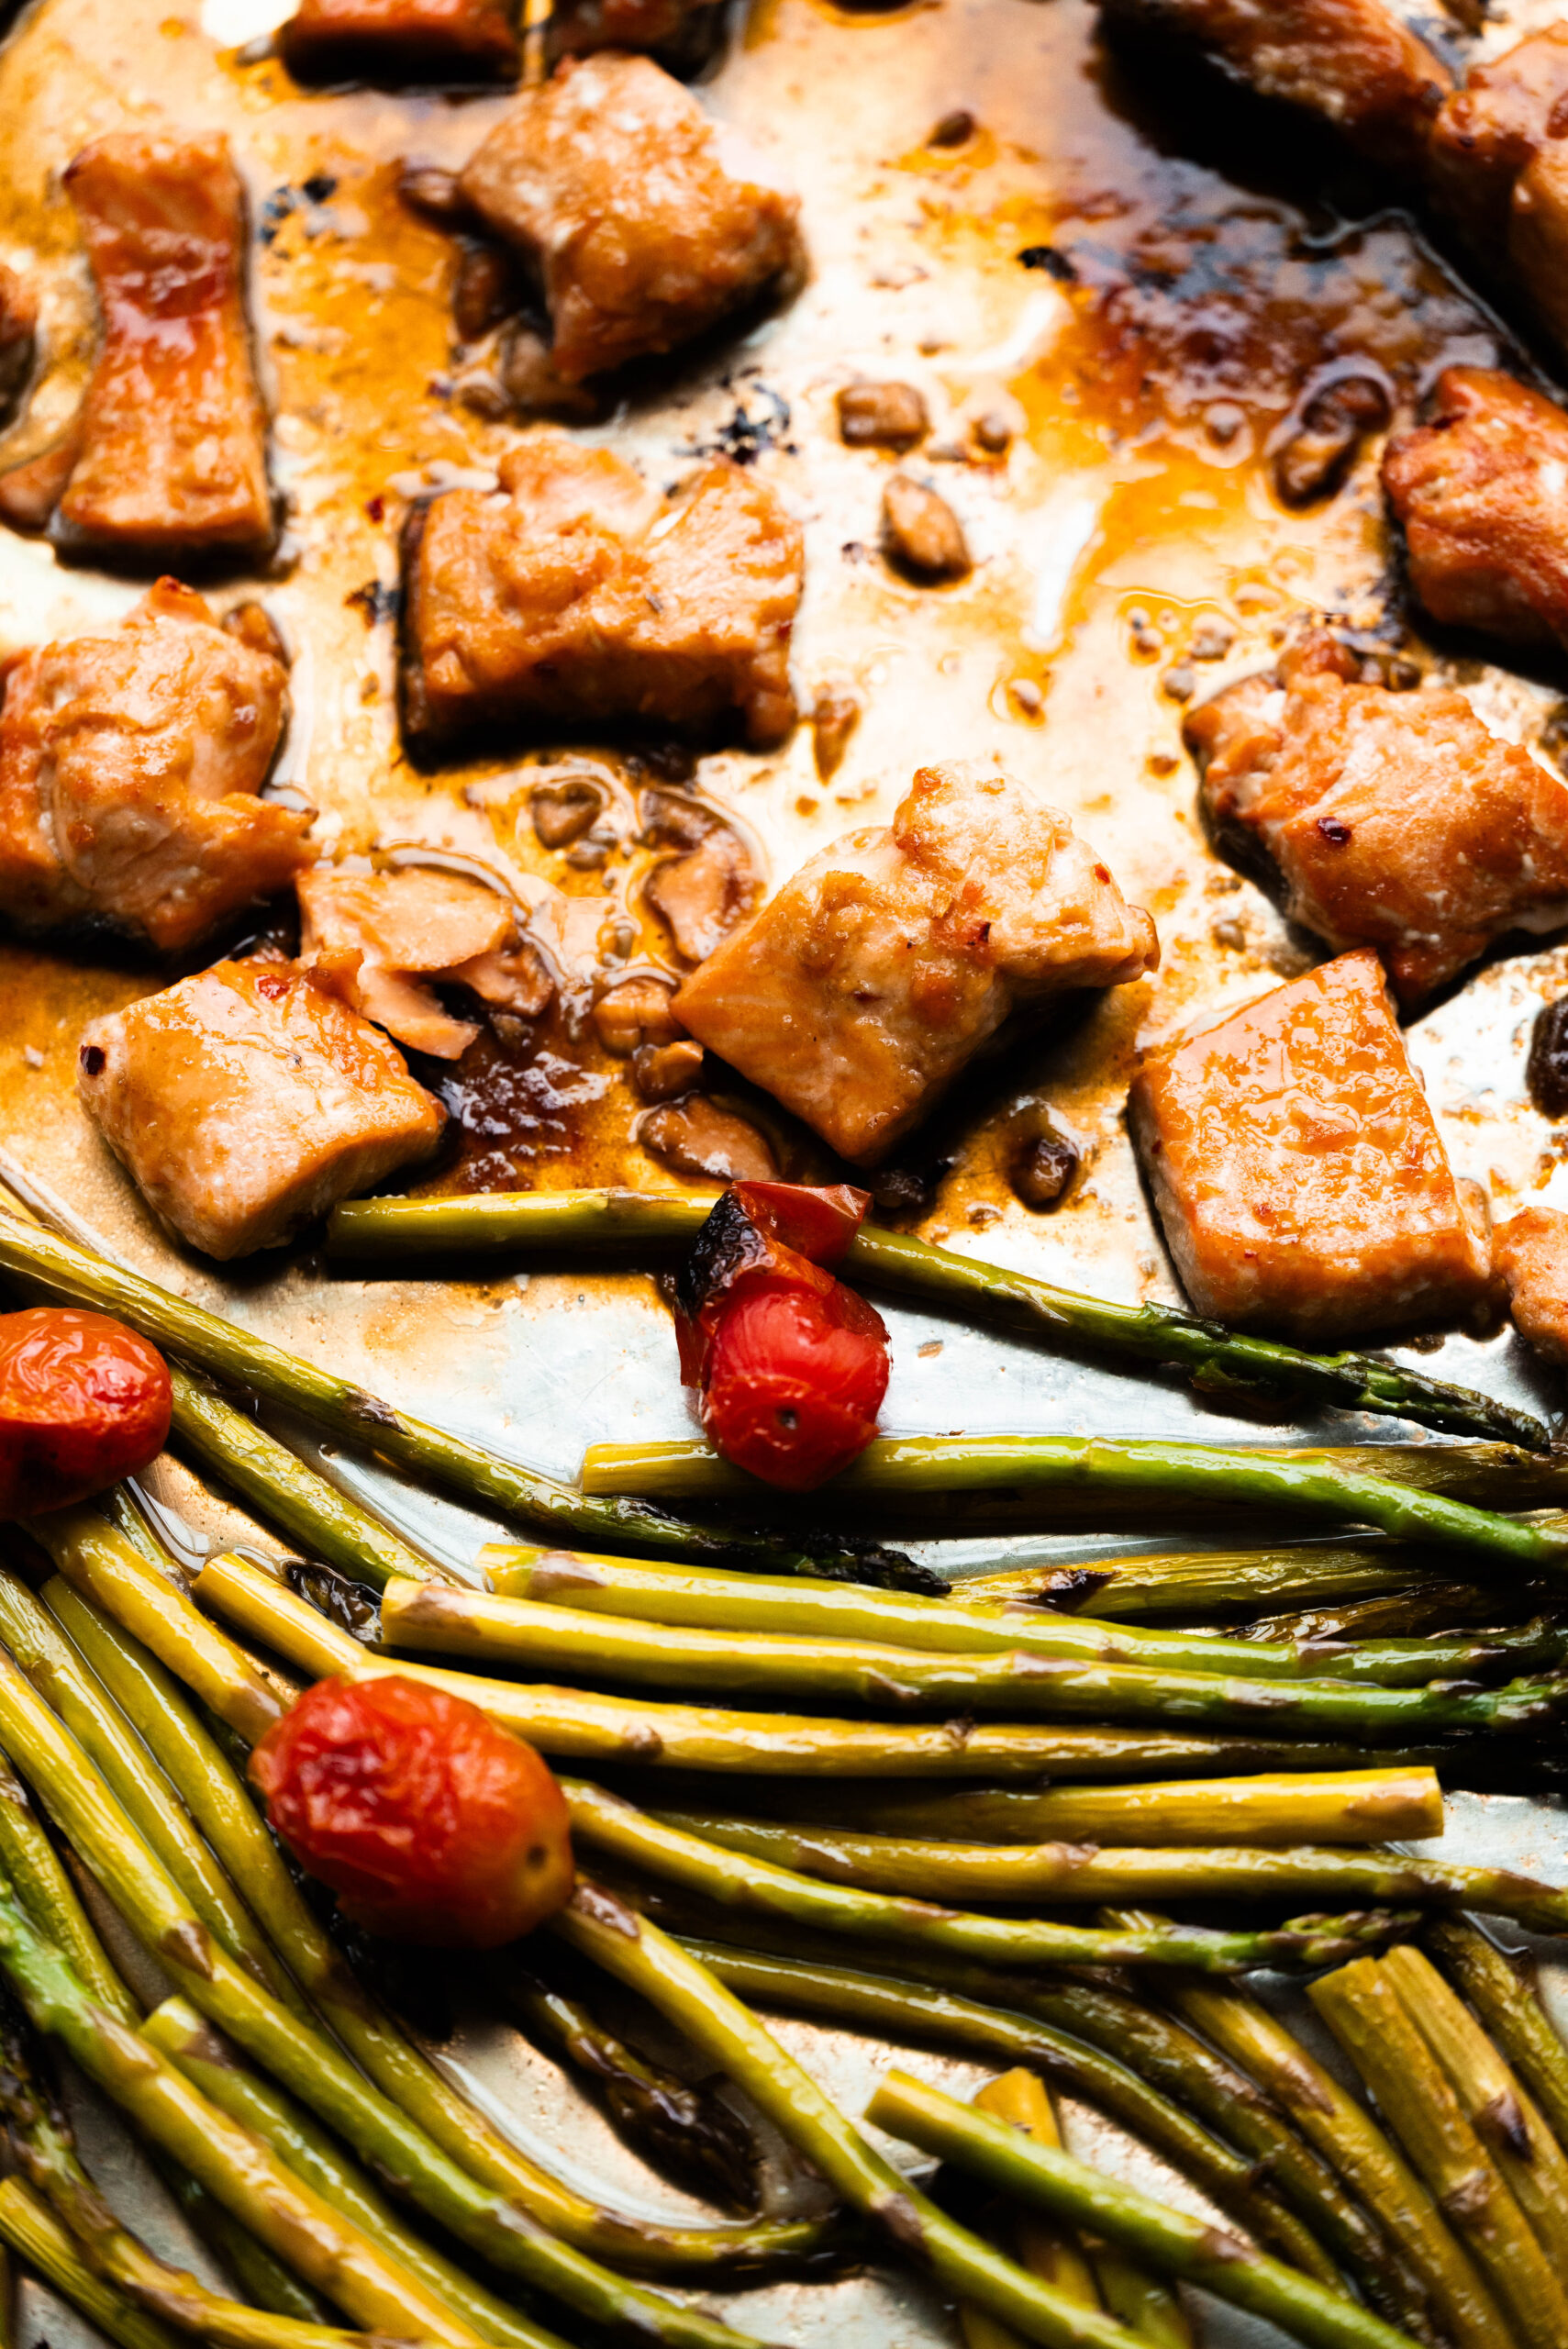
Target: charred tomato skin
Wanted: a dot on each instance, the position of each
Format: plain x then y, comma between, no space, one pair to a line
83,1401
794,1380
430,1824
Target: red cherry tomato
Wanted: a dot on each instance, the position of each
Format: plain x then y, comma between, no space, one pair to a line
794,1380
430,1823
82,1401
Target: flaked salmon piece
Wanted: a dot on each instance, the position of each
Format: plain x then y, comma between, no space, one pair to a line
1481,491
1499,166
575,592
170,460
413,925
1397,820
1298,1173
1353,64
1529,1255
18,335
245,1101
129,764
644,225
860,991
402,40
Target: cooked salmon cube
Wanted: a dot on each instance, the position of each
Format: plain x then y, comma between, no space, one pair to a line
681,32
414,925
1498,165
173,456
1298,1171
1529,1255
1481,491
857,995
129,764
1353,62
616,188
245,1101
19,331
575,592
401,40
1397,820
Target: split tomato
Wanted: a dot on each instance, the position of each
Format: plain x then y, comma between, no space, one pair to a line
83,1401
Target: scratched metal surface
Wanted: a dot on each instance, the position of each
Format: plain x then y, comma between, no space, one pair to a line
1130,517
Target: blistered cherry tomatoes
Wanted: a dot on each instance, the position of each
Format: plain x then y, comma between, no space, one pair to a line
83,1401
429,1822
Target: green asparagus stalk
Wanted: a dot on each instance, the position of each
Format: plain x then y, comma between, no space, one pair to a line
1146,2304
30,2229
1053,2254
1218,1476
1214,1358
410,2083
1242,2028
262,2280
1205,1585
884,2003
1503,2114
1071,1873
1501,1991
600,1927
1167,2239
473,1622
32,1864
179,2033
1281,1808
1363,2009
611,1824
569,1725
434,1617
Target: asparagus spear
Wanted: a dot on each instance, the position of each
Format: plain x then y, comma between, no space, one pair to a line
1501,1991
520,1632
614,1825
565,1723
1215,1359
914,1467
1071,1873
1169,2240
1503,2114
600,1927
30,1862
261,2277
1241,2027
1364,2010
1201,1585
474,1622
1050,2252
30,2229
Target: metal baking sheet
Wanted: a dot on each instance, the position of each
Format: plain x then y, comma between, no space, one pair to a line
1130,552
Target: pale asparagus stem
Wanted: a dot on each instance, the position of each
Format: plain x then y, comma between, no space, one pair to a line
1200,1583
1503,2114
206,1781
231,2164
261,2277
1049,2252
1073,1874
476,1624
1342,1806
522,1632
1241,2027
29,2228
600,1927
1210,1355
568,1725
631,1835
1169,2240
1363,2009
32,1864
1144,2301
1502,1991
911,1467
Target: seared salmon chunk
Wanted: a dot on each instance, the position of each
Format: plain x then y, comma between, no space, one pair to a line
576,592
18,335
1393,819
170,458
1530,1254
413,926
129,764
857,995
617,189
1298,1171
401,40
247,1100
1498,165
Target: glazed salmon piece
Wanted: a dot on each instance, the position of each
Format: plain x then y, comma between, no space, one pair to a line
681,31
1529,1255
414,925
1481,491
170,460
1499,166
129,764
1394,820
398,40
246,1101
860,991
18,334
617,189
1298,1171
575,592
